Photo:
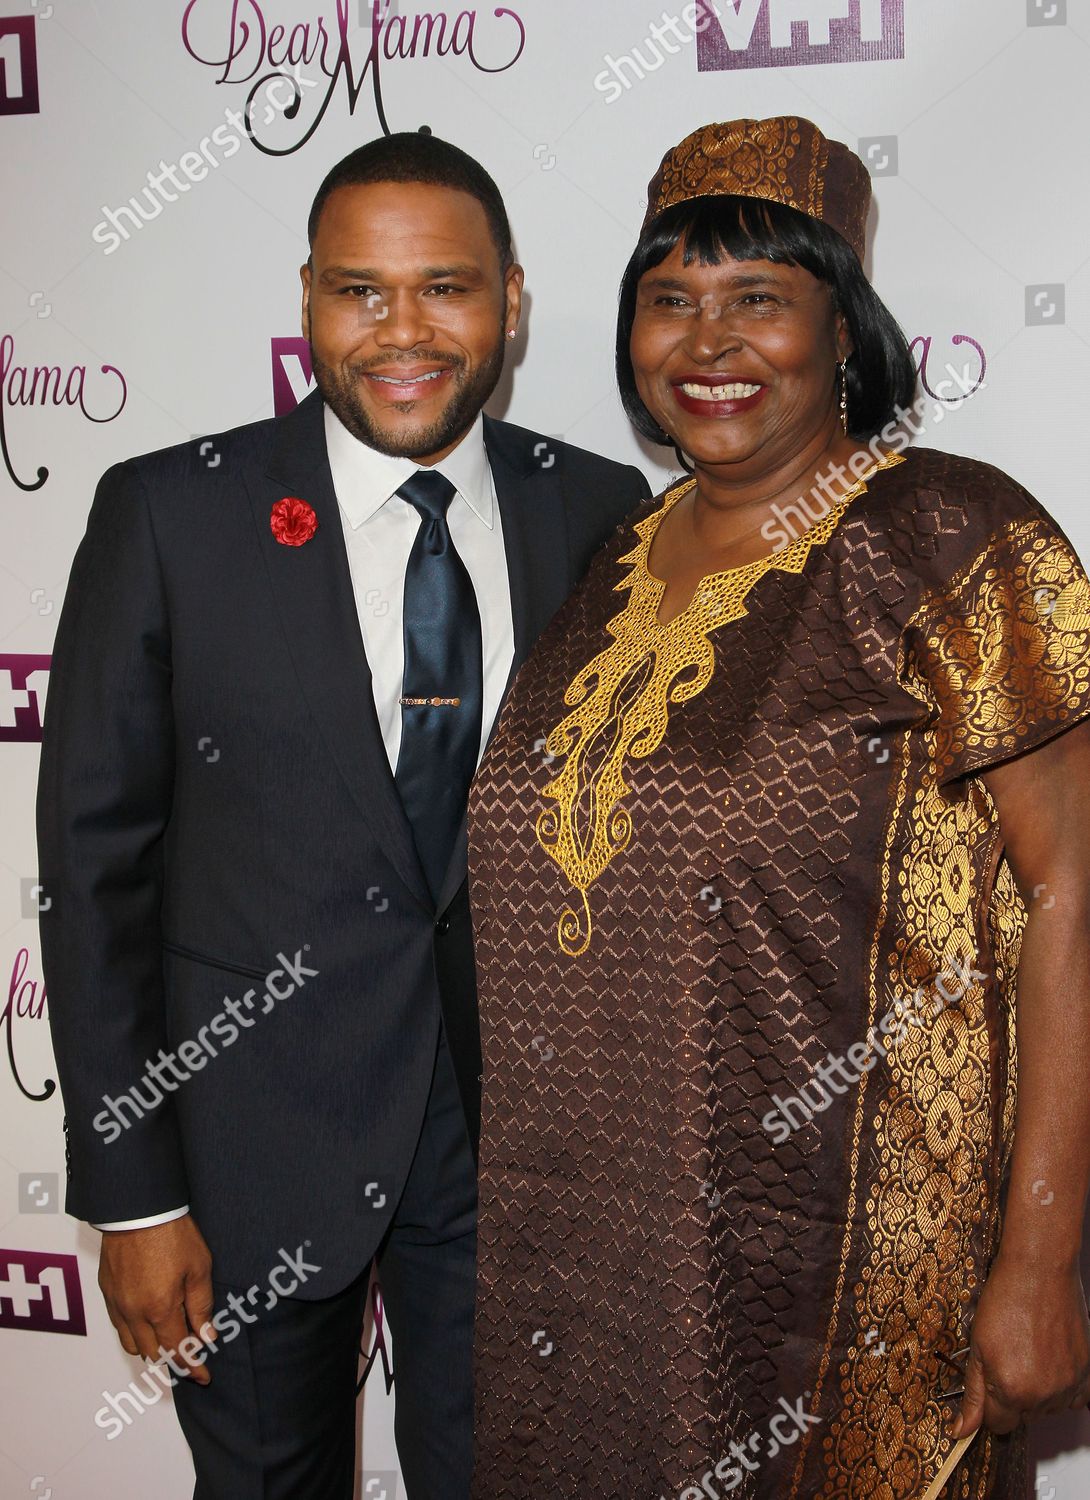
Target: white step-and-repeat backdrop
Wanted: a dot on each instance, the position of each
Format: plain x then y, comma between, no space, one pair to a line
158,163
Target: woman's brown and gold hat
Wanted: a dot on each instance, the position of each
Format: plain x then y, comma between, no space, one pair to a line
784,160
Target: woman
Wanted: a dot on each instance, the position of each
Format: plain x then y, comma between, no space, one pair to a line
814,795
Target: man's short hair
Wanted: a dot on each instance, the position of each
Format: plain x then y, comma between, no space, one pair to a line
418,156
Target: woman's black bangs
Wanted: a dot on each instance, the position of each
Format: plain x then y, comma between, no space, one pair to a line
714,228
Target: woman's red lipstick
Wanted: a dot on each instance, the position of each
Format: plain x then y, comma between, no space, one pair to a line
726,405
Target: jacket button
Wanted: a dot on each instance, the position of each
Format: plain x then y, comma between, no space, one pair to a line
442,926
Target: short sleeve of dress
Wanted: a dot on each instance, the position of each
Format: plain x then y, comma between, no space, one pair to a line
1001,655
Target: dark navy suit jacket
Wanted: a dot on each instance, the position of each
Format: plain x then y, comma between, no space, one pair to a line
214,793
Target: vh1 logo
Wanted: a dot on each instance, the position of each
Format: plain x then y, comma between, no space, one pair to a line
789,33
40,1292
292,375
18,66
23,684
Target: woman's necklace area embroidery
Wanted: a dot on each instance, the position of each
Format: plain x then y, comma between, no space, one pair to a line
621,699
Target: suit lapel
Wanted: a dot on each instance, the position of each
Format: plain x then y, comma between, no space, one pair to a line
312,585
535,542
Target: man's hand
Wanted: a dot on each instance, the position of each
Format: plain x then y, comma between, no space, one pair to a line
1030,1347
157,1284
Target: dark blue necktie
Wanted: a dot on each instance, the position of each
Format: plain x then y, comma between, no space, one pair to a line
442,685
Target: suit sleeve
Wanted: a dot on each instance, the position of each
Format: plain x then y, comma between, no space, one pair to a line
104,799
641,490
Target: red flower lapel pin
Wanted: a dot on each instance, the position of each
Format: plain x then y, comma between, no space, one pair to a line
293,521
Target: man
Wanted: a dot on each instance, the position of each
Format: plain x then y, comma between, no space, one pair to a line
273,678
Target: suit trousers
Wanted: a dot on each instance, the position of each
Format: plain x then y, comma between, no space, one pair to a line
278,1420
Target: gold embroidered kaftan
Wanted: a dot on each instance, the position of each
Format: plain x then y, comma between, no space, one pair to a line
747,951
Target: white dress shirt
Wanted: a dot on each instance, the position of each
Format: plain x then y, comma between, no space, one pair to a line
379,530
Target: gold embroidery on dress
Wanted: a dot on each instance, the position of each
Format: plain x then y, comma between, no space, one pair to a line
621,699
1004,651
932,1136
1017,656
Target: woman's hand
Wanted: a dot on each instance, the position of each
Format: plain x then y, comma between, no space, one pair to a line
1030,1347
1030,1340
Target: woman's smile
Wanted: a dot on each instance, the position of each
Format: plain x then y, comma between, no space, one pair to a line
713,396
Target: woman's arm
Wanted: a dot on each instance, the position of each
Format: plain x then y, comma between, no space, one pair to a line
1030,1338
